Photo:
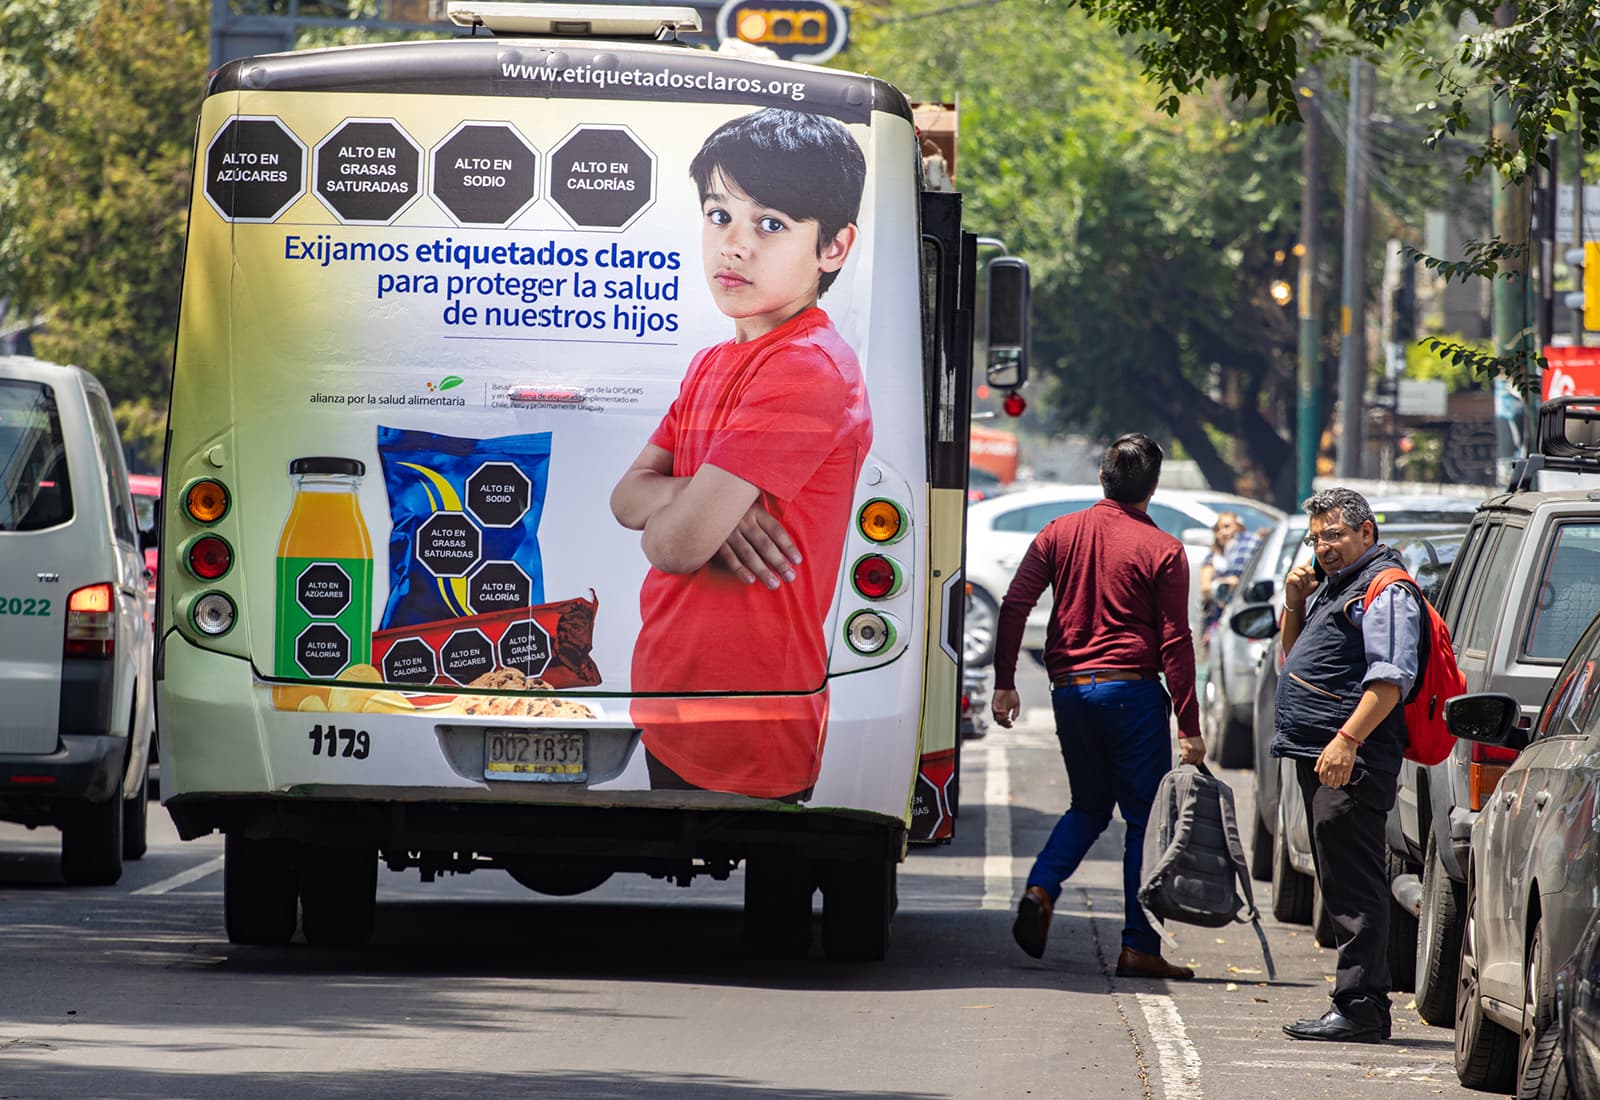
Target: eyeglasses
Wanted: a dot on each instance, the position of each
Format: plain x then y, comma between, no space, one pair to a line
1330,536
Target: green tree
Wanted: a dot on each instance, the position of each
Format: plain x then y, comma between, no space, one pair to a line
96,244
1154,240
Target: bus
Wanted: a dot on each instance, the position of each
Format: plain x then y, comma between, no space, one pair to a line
567,462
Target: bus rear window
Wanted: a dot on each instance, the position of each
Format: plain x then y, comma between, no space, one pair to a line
34,490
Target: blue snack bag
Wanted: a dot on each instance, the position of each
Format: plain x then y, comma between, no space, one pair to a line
465,523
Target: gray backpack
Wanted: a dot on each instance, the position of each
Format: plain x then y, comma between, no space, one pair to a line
1194,866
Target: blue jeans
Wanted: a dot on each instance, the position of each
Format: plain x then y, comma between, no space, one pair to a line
1116,743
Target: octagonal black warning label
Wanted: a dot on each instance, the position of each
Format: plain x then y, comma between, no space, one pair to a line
255,169
485,173
410,661
525,646
323,590
367,170
448,545
322,650
498,585
498,494
601,177
466,655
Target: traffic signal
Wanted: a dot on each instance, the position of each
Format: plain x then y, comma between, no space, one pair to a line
783,26
1591,284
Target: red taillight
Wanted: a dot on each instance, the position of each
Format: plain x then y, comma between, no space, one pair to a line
91,622
966,702
209,557
875,577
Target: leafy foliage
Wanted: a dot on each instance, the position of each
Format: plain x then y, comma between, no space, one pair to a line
105,267
1153,240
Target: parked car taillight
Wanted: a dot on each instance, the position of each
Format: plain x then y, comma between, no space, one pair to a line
91,622
1484,768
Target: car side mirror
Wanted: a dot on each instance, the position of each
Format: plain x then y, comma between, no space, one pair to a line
1260,591
1488,717
1256,622
1009,329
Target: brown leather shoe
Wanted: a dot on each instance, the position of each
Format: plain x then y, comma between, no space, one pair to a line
1139,964
1032,925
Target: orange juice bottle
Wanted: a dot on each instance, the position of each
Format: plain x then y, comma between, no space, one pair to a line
324,623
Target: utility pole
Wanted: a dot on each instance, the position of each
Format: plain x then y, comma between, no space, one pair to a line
1511,209
1308,376
1353,285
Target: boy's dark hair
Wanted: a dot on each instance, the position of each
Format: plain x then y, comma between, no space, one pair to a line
1131,467
808,166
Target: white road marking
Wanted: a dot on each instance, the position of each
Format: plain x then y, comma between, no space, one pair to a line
183,878
996,829
1180,1061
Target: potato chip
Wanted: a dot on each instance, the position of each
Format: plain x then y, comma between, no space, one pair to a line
362,674
312,703
387,702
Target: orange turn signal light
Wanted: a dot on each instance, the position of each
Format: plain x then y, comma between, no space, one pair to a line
881,520
206,501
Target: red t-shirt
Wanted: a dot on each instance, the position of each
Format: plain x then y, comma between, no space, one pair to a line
788,413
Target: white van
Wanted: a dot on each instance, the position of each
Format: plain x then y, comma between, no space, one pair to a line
75,635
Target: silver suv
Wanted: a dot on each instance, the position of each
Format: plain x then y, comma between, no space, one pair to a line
1523,588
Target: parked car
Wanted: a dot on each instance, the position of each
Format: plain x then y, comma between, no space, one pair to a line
1578,1013
1525,584
1280,849
1000,529
75,652
1532,874
977,687
1419,526
147,516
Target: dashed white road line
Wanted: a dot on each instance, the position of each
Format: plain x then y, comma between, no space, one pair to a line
1179,1060
183,878
996,829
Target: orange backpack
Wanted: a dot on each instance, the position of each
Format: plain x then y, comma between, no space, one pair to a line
1438,677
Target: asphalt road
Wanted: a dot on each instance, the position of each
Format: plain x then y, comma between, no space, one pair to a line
475,987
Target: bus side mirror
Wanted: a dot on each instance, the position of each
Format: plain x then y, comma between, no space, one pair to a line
1008,322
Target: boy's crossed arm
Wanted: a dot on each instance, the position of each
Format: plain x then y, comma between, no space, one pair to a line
690,521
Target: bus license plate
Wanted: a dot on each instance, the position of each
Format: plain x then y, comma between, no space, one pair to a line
547,756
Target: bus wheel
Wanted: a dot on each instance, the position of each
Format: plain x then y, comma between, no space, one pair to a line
858,898
338,895
777,906
258,890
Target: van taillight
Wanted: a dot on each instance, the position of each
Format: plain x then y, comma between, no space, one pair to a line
91,622
1484,768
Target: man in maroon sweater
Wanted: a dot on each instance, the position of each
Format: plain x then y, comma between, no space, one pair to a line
1120,617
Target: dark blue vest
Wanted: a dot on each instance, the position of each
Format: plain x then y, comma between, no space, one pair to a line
1321,679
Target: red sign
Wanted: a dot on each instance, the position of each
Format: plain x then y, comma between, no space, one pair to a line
1574,372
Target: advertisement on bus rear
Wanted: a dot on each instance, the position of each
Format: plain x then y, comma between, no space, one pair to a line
566,410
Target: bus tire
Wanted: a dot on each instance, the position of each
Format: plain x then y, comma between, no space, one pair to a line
858,900
259,891
91,843
777,906
338,895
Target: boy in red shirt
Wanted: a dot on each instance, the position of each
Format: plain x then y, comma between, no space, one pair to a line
744,491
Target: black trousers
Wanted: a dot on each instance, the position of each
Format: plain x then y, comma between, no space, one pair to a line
1348,847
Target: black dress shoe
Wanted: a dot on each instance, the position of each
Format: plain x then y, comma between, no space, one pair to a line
1334,1026
1032,925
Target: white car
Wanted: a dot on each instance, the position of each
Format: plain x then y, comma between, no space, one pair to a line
1000,530
75,638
